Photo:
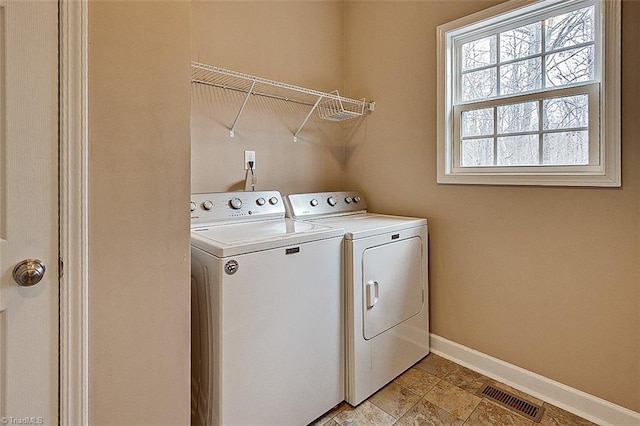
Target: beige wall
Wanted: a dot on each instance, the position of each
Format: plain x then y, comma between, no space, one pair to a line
138,221
544,278
298,43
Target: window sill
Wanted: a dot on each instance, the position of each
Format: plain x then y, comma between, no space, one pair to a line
532,179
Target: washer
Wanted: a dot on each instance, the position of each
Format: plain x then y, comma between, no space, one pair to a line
385,272
267,315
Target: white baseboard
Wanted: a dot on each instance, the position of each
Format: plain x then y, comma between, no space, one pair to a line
573,400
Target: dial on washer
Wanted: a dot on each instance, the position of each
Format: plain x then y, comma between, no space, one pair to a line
235,203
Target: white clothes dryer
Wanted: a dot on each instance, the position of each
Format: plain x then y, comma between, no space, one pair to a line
385,272
267,316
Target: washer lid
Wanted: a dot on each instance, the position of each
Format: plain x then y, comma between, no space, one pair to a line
241,238
369,224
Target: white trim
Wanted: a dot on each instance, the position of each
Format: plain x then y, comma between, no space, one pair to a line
608,171
573,400
73,213
611,107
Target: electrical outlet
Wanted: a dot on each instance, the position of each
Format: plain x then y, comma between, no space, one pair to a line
249,156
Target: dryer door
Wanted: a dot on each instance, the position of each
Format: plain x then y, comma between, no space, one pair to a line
392,284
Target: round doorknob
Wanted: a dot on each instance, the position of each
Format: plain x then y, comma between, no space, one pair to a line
28,272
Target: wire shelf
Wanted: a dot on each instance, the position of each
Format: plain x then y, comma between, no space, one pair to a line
330,106
340,109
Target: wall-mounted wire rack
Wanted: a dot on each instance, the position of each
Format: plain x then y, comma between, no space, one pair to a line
330,106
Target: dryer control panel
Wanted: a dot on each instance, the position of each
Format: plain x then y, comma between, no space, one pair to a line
240,206
322,204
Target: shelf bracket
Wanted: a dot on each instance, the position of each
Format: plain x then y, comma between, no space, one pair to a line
232,131
295,135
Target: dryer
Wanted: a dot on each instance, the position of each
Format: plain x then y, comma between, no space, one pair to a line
267,312
385,273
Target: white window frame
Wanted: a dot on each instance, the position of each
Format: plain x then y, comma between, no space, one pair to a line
604,97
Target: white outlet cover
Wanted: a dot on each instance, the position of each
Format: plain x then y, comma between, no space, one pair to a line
249,156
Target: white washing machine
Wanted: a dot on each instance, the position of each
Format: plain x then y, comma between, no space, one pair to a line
385,272
267,313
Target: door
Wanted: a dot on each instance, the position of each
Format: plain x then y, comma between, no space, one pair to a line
29,211
392,284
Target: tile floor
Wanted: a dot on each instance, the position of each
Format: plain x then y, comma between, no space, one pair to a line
436,391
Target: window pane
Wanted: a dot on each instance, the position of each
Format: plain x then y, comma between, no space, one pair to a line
479,84
567,112
479,53
569,29
521,42
477,122
566,148
521,76
570,66
476,152
515,118
518,150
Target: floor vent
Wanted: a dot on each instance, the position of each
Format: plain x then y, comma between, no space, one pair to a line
509,400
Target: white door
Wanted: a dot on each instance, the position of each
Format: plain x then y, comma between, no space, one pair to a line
392,285
29,211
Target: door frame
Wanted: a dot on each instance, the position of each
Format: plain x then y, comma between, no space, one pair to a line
73,208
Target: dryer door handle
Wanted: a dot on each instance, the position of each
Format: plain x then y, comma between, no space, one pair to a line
373,293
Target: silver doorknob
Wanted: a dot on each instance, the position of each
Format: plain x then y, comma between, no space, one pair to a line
28,272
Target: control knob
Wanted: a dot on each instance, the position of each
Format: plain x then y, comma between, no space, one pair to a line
356,199
332,201
273,201
313,202
207,205
260,201
193,206
347,200
235,203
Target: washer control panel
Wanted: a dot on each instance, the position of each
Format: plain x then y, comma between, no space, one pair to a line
318,204
214,207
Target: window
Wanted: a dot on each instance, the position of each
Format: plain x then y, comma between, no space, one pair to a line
529,94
